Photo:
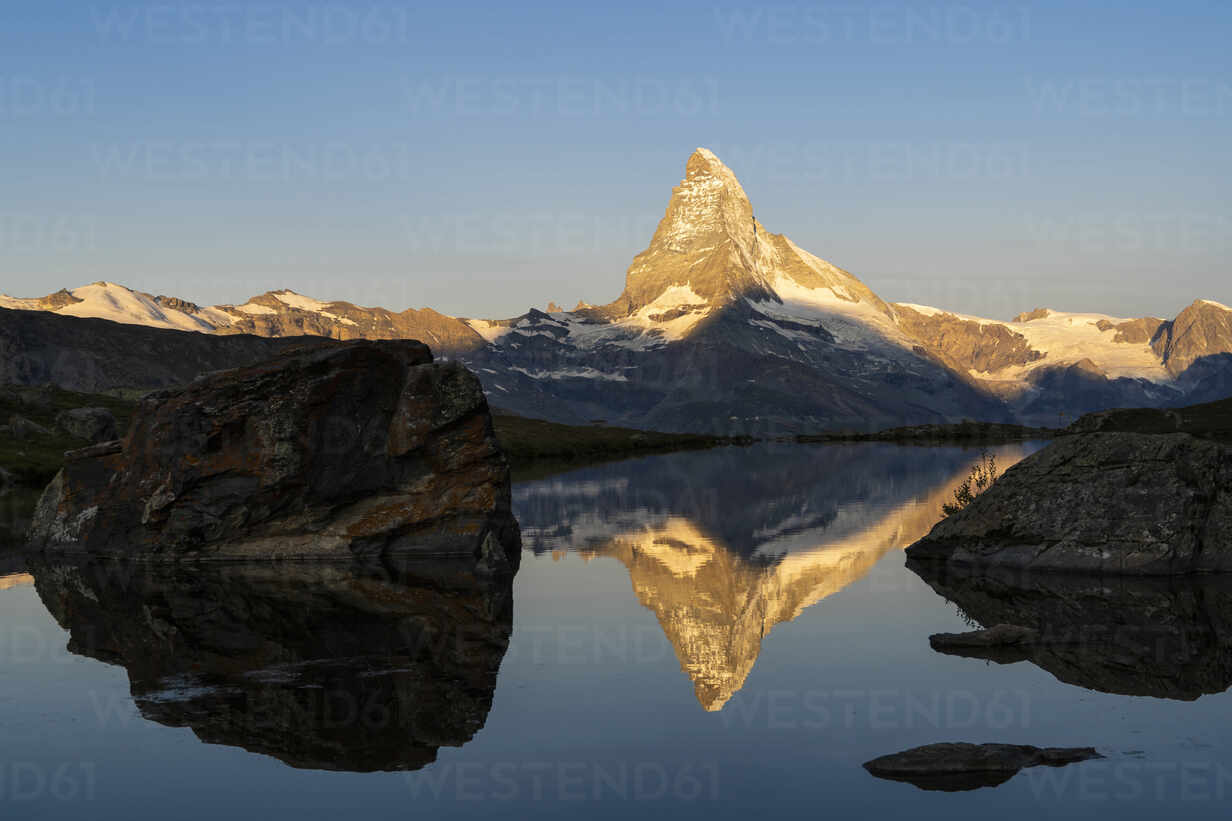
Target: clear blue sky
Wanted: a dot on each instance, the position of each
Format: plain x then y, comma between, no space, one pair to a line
482,158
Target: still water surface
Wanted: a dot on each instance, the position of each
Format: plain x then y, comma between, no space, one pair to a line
714,635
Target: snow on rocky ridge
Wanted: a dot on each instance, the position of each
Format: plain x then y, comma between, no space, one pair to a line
708,255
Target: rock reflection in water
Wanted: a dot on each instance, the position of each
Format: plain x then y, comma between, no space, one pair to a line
729,544
322,666
1161,637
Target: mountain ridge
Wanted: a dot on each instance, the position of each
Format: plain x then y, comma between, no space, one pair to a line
719,317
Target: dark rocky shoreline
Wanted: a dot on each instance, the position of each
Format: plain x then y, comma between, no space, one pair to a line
1135,492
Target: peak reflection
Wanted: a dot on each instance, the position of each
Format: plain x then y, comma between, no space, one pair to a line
723,545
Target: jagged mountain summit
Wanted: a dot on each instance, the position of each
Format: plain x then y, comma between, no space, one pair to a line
710,243
724,326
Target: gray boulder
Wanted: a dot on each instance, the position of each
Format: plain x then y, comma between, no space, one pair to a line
1102,503
92,424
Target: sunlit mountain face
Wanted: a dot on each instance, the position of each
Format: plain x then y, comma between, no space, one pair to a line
723,545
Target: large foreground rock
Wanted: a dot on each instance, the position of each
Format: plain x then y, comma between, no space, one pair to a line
1102,502
962,766
331,451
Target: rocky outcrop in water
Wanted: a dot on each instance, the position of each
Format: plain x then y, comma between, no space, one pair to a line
334,666
998,638
960,766
336,450
1127,503
1159,637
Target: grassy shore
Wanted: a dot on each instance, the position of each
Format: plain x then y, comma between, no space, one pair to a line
966,432
536,447
32,461
1212,420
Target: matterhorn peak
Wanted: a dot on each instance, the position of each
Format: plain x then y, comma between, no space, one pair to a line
707,242
710,251
704,163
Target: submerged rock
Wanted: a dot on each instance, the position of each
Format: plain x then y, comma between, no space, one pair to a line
1127,503
961,766
997,638
333,450
92,424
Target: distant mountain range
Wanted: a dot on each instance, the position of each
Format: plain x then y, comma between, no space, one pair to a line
723,326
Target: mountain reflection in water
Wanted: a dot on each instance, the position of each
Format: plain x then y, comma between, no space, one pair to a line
323,666
725,544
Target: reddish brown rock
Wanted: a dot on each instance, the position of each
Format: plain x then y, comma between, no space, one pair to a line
1203,329
332,450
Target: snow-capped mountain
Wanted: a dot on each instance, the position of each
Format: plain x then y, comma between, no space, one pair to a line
723,325
277,313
